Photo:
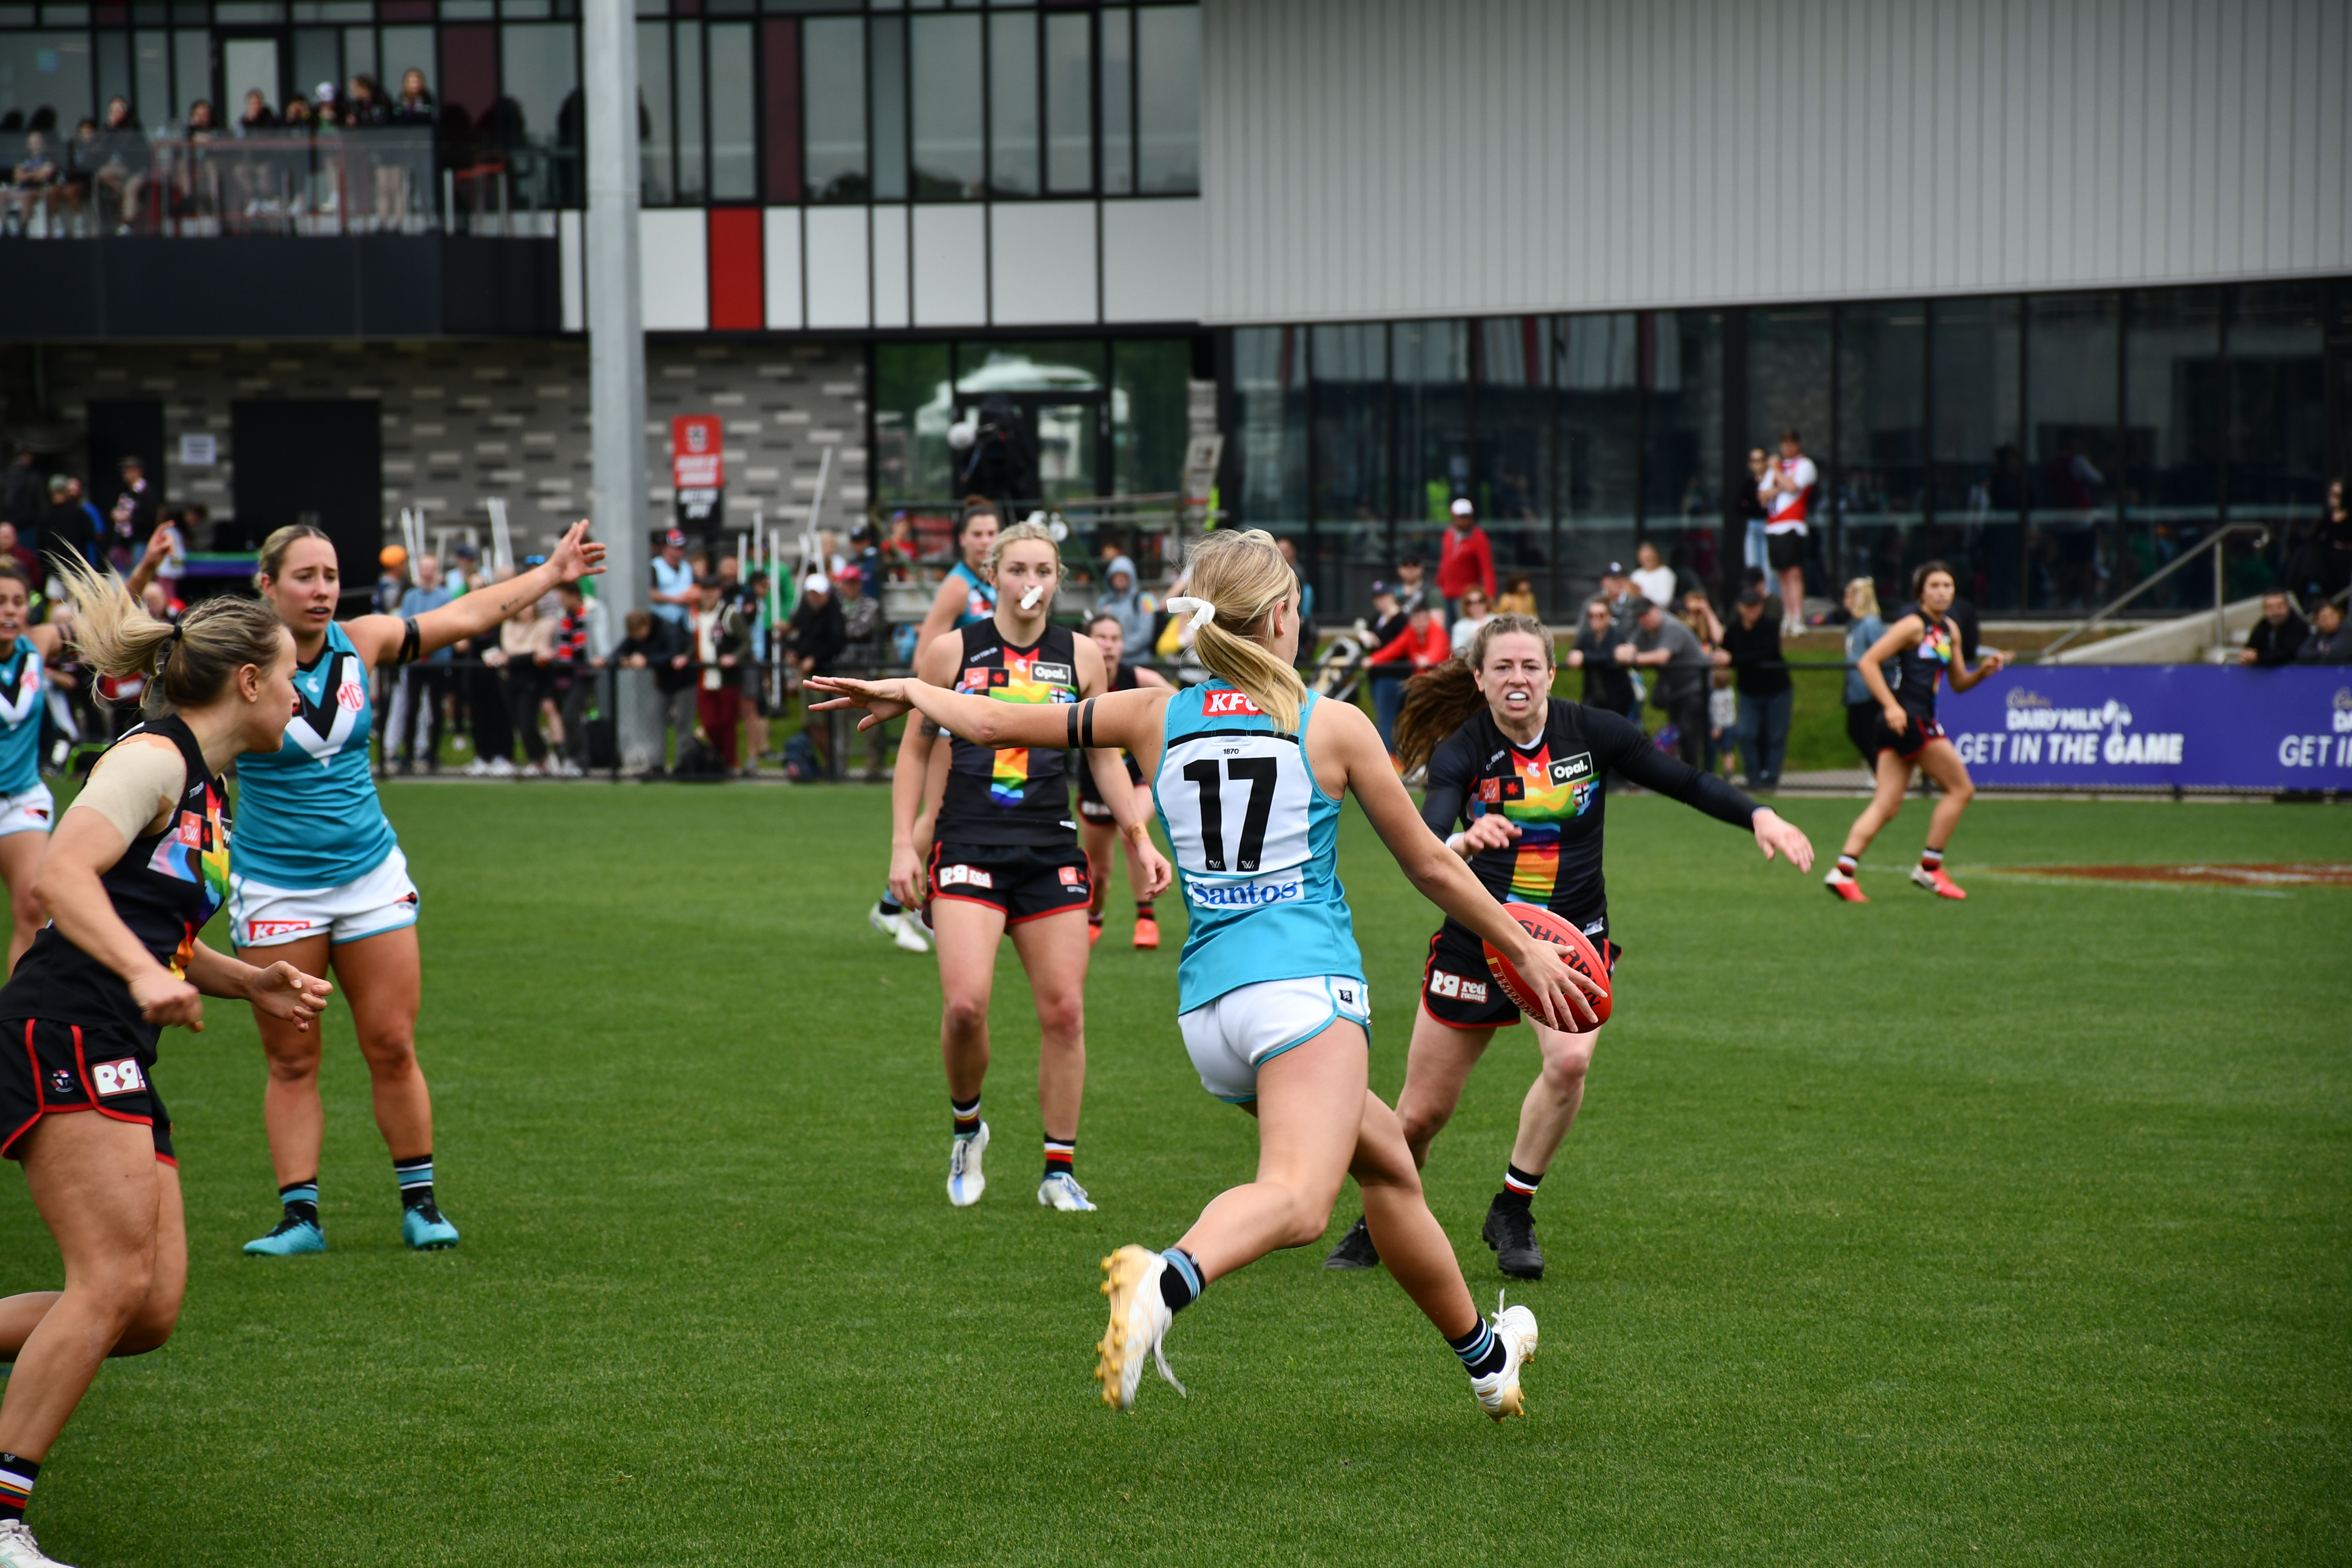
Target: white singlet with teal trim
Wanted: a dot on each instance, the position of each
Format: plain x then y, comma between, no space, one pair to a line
1257,848
307,814
979,598
22,690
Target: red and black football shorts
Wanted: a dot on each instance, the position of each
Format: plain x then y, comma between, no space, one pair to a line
1914,739
1457,990
48,1068
1024,882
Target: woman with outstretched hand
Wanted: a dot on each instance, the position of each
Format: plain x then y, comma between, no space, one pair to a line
1249,769
137,867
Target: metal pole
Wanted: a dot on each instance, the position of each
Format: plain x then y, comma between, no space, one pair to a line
616,340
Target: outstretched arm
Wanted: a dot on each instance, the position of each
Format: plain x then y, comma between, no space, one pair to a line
1122,719
378,638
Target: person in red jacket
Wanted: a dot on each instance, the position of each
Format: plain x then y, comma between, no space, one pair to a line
1420,644
1466,560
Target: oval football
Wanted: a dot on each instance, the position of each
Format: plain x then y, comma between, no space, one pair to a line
1546,926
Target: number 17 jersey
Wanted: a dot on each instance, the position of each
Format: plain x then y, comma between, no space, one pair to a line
1257,848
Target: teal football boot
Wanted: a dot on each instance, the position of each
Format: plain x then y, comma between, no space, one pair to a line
424,1228
292,1236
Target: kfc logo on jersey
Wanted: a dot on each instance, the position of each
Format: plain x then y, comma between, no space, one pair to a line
1457,987
260,930
965,876
117,1077
350,696
1073,875
1230,705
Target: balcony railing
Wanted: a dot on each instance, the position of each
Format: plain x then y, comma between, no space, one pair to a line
407,181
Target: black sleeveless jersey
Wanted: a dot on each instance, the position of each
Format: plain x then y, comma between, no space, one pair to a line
165,886
1087,791
1920,671
1018,795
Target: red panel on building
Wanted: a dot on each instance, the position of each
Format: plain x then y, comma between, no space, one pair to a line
738,273
469,69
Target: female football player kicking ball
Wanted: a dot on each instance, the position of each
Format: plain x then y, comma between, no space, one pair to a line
1925,643
321,879
137,867
1096,829
1527,774
1249,770
1005,857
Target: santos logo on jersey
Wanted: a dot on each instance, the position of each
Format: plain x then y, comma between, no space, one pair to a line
1244,895
116,1078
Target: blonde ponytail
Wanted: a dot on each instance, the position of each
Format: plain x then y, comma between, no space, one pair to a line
1245,576
186,666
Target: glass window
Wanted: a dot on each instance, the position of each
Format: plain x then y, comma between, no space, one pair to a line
1069,104
2073,460
2278,424
1431,363
192,70
888,42
541,73
1270,388
734,167
318,56
779,108
1878,484
1013,103
653,90
1350,478
1151,414
1596,368
114,69
913,407
1063,366
51,72
1511,480
946,105
1976,480
151,64
1117,73
1682,437
469,69
693,178
2174,422
1168,108
833,75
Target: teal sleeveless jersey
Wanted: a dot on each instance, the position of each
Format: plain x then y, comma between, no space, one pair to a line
23,688
306,815
1256,848
979,599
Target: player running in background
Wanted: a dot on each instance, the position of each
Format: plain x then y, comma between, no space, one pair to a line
138,866
1925,643
1527,774
320,881
26,808
1005,857
1096,829
1250,769
965,598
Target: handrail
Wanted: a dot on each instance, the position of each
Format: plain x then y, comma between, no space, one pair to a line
2212,541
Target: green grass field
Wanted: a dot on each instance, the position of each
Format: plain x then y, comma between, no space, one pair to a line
2012,1231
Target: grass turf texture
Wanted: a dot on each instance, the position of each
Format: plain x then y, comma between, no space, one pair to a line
1918,1232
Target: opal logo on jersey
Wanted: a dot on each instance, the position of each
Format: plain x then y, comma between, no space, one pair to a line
1051,675
259,930
968,877
117,1077
1456,985
1229,705
1572,770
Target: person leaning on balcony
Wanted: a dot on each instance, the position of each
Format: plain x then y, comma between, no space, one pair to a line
2277,636
414,105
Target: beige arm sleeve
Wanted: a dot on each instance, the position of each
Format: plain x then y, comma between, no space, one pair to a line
133,785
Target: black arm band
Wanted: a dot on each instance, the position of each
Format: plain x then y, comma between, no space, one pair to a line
1088,708
1072,742
411,643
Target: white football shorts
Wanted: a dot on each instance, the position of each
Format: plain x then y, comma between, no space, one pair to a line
1230,1037
263,916
30,811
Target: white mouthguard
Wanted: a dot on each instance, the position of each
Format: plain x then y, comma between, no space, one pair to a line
1029,599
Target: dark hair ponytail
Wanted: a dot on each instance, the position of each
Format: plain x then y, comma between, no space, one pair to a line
1441,699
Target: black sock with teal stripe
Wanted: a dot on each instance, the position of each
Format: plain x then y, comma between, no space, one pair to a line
415,1178
1480,1350
301,1201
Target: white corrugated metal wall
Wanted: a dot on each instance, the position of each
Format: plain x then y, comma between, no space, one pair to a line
1370,158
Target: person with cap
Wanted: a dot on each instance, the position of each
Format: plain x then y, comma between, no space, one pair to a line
1664,643
1617,587
674,596
1125,602
722,639
1412,588
1751,649
1608,684
1466,560
813,639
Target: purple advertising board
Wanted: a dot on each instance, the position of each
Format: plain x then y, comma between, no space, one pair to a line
2185,726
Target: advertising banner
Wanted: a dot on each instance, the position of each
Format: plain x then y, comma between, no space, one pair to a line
697,468
2161,726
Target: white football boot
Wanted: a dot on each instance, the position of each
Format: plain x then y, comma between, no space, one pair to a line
1138,1324
1060,1190
1498,1391
965,1182
899,928
19,1549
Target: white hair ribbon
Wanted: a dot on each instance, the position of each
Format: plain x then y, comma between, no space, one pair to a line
1201,611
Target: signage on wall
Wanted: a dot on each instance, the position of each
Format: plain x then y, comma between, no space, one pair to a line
199,451
697,468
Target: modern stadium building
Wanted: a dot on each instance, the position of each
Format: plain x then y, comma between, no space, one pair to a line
2053,288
